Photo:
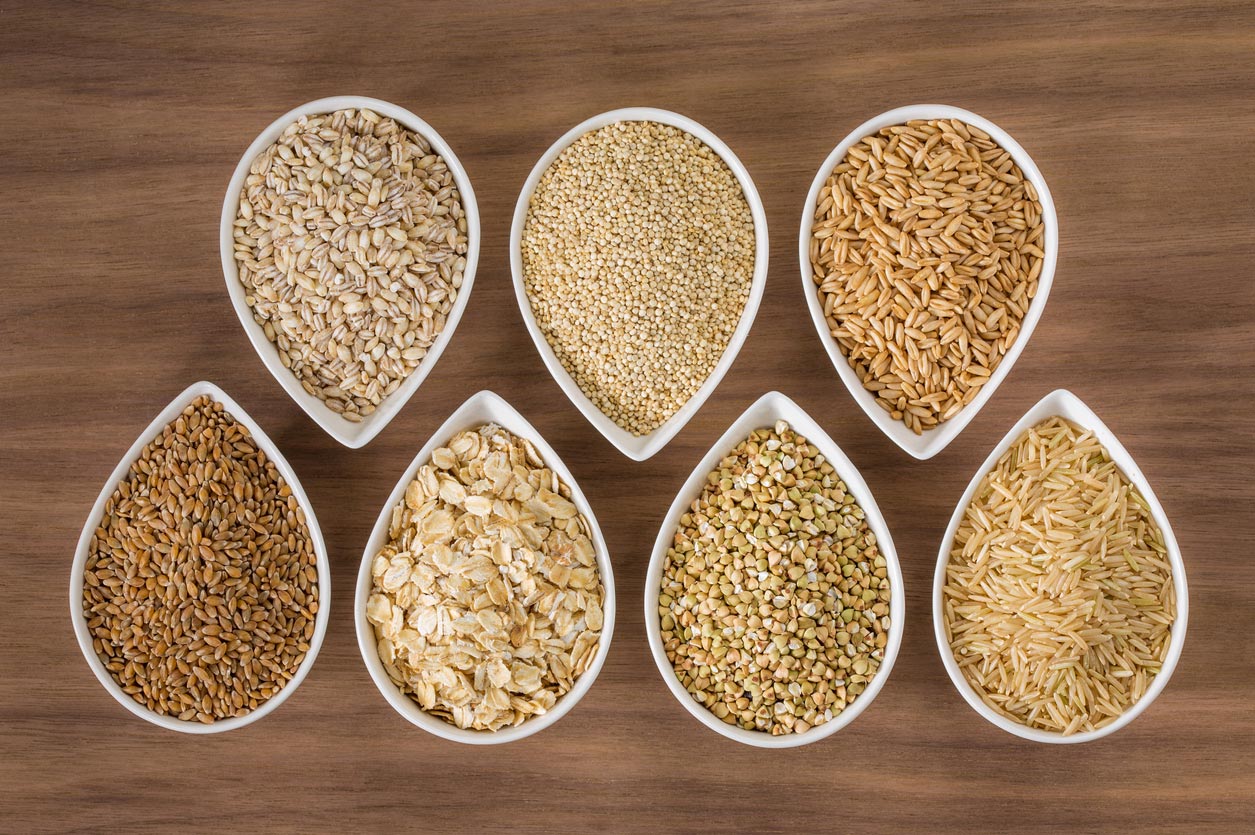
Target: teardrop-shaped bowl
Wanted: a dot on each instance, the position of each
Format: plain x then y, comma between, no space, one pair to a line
934,440
83,634
483,407
1065,404
641,447
352,435
764,413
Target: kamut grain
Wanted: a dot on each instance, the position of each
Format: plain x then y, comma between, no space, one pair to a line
926,251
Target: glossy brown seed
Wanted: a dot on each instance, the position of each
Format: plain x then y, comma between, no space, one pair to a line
202,562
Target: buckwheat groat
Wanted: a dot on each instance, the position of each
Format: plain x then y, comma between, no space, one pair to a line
774,606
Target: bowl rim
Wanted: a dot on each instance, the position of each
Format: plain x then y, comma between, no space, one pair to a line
482,407
642,447
1063,403
351,435
79,565
932,441
765,411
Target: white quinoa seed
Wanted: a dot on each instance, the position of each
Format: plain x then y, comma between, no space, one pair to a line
638,255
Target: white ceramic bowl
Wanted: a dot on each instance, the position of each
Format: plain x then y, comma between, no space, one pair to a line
168,414
765,411
934,440
484,407
352,435
639,448
1064,404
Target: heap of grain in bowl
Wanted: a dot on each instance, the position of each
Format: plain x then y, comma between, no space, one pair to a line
201,585
638,255
350,242
1059,599
486,601
926,251
774,606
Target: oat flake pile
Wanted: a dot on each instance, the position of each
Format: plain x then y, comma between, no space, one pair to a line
486,601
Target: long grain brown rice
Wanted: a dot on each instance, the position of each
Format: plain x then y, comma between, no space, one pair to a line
1059,601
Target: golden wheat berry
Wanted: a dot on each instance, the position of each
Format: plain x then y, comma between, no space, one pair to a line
926,251
201,584
1059,601
774,604
638,254
350,242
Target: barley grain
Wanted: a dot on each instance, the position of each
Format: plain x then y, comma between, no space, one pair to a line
351,244
1059,600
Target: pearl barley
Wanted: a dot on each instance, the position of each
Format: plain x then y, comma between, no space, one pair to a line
351,243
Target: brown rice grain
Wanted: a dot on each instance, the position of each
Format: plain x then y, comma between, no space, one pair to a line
1059,600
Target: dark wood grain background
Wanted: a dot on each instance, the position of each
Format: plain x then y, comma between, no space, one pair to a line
121,124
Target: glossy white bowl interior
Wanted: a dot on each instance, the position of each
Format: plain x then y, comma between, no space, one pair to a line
768,409
934,440
159,423
484,407
639,448
1064,404
350,434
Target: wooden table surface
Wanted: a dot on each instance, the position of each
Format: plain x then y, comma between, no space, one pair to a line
121,126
